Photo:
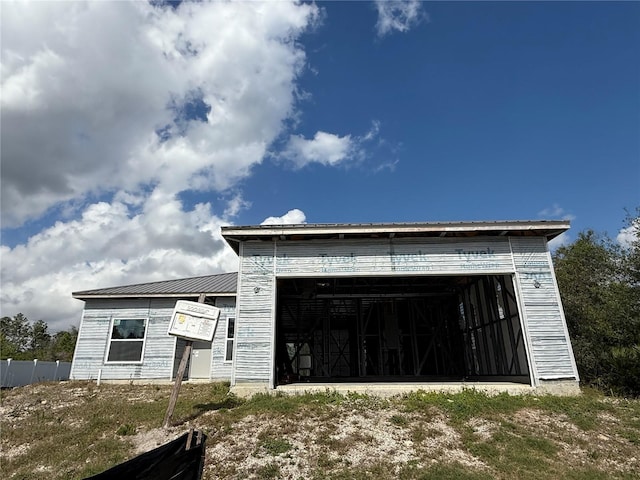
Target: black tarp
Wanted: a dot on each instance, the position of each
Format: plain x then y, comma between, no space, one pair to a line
180,459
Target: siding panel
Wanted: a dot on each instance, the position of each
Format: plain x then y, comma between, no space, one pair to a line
254,332
551,354
93,340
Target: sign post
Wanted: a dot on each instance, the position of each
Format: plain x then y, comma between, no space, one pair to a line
191,321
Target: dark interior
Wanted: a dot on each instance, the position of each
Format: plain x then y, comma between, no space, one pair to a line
399,329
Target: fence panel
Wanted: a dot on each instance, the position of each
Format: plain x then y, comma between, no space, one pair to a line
16,373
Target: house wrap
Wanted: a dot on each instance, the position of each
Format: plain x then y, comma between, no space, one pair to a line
352,305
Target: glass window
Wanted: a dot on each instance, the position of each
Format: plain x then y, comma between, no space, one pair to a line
126,343
231,326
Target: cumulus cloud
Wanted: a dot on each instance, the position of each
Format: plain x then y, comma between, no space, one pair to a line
109,245
398,15
95,95
294,216
327,148
324,148
134,103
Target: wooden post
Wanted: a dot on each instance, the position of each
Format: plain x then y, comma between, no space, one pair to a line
181,368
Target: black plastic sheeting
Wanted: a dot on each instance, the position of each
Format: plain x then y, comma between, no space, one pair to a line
172,461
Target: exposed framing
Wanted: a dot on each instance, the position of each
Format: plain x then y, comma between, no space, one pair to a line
455,328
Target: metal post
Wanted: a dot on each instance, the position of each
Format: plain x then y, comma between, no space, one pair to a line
5,379
33,372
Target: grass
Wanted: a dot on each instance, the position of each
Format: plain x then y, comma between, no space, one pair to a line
75,429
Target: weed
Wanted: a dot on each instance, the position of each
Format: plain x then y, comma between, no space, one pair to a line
274,446
271,470
399,420
632,435
126,429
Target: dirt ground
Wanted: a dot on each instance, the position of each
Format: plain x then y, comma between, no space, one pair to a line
354,438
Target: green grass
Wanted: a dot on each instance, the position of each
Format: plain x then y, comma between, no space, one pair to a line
76,429
273,446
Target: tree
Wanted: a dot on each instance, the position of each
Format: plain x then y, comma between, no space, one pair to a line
63,344
40,340
600,289
15,336
20,340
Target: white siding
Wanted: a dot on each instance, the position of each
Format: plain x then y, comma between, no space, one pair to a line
93,340
550,348
255,320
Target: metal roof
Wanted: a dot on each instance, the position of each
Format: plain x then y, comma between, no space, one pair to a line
223,284
308,231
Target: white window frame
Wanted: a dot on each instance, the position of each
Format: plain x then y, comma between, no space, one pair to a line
111,339
227,338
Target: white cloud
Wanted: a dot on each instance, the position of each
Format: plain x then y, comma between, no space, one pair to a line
236,205
324,148
294,216
398,15
93,103
110,245
329,149
87,85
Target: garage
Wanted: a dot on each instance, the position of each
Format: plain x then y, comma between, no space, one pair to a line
406,328
418,304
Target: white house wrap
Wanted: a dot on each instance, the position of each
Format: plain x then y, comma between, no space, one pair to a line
410,303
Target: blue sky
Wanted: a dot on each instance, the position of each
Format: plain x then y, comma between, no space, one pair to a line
490,110
131,132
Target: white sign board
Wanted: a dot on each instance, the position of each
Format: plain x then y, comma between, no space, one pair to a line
194,321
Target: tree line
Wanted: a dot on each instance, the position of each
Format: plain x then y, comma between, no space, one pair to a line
22,340
599,282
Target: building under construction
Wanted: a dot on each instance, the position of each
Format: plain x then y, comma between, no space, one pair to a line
353,306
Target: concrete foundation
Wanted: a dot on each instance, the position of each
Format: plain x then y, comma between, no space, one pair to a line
562,387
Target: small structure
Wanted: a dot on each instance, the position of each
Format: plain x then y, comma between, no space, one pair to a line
123,334
354,306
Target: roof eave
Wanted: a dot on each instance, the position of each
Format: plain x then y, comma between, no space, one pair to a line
87,295
547,228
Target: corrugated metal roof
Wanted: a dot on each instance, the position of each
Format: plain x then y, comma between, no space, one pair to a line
223,284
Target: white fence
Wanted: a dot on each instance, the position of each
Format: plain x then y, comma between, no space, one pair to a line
16,373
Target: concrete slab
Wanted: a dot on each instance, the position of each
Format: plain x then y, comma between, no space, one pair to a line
392,389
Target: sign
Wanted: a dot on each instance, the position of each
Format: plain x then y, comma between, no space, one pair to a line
194,321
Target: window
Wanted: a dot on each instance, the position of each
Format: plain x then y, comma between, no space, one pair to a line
127,340
231,326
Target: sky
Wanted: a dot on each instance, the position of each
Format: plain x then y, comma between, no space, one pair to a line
132,131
